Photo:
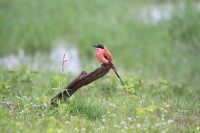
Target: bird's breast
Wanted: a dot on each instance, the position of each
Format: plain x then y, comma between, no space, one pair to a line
100,56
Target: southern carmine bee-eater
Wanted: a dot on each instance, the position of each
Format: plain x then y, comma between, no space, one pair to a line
103,55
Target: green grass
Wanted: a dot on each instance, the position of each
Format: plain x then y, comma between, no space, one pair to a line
102,106
158,62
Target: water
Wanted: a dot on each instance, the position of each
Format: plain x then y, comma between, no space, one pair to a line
40,61
151,14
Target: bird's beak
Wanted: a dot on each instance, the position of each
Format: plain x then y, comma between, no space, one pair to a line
94,46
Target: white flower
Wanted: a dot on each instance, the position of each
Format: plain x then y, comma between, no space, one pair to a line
123,122
103,120
116,126
129,118
170,121
138,125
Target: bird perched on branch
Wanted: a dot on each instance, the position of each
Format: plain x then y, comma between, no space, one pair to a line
103,55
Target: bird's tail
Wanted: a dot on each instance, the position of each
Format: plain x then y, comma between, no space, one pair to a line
115,70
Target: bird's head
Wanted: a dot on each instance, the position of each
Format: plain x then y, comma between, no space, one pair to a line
99,46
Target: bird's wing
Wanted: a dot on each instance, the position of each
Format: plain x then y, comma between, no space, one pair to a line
107,56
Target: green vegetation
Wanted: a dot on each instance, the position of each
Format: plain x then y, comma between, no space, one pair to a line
161,61
100,107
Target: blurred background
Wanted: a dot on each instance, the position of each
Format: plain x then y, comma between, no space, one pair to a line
151,38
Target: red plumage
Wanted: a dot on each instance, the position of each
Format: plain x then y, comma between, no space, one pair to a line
103,55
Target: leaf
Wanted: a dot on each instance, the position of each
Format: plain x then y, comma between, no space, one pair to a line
152,108
141,111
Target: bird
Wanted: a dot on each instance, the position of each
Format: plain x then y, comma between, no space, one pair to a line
103,55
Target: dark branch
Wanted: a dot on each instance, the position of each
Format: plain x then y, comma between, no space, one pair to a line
80,81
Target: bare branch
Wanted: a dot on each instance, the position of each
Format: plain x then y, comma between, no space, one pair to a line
80,81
